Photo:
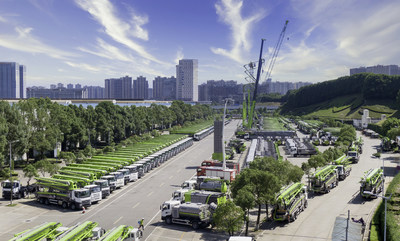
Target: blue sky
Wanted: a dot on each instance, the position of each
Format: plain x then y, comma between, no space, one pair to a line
87,41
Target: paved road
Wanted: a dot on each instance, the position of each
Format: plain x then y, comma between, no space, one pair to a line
126,206
317,221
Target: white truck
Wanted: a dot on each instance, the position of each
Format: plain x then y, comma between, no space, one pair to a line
14,189
196,215
104,187
112,181
120,179
95,193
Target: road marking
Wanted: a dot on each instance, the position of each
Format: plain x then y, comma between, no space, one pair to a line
150,194
161,184
179,170
182,236
116,221
151,220
137,204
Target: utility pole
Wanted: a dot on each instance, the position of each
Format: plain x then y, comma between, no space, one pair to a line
11,181
347,225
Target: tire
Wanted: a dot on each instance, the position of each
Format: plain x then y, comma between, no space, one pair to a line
64,205
46,201
41,200
305,204
195,225
168,220
19,196
337,182
73,206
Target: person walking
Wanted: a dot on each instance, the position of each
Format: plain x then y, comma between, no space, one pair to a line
141,224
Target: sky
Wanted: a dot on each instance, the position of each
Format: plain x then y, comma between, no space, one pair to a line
87,41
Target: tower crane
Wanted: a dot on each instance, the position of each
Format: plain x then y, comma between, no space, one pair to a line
249,70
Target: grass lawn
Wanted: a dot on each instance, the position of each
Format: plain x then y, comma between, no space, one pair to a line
273,124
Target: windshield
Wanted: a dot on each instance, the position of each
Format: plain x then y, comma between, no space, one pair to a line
103,184
119,175
95,189
82,193
352,154
7,184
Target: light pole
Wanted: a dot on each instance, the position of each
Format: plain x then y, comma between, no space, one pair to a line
12,184
385,198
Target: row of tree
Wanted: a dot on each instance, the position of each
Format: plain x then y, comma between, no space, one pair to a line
36,125
371,86
255,186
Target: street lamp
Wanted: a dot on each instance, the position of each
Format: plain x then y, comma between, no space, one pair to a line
385,198
12,184
223,124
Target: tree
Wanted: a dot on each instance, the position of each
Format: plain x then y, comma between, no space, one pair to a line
30,171
228,217
43,166
246,201
68,157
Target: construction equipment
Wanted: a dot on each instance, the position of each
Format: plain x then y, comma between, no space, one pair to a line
343,166
119,179
372,181
205,197
122,232
89,175
104,187
95,193
14,189
354,153
81,181
324,179
43,231
112,181
97,172
62,192
80,231
194,214
290,202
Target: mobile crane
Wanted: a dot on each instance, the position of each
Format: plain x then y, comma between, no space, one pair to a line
324,179
343,166
290,202
372,181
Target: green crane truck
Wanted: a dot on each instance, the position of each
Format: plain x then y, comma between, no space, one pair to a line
97,172
324,179
194,214
62,192
206,197
89,175
290,202
343,166
354,153
372,181
80,181
86,231
41,232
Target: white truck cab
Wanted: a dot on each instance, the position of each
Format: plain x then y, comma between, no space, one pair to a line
120,179
95,193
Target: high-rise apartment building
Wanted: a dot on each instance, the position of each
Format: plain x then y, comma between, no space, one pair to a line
10,80
94,92
55,93
378,69
219,90
118,88
140,88
186,80
164,88
22,81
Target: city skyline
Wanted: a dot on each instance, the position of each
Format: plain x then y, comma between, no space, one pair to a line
89,41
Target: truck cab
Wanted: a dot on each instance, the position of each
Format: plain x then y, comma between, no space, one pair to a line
139,168
112,181
166,208
179,195
120,179
134,174
13,188
104,187
189,184
80,198
130,174
95,193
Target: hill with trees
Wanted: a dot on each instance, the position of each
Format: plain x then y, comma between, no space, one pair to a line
345,97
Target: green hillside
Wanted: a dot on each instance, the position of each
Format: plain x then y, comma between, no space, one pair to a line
346,97
347,108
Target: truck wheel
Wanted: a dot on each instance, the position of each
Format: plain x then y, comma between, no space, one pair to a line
46,201
195,225
73,206
305,204
168,220
41,200
19,196
64,205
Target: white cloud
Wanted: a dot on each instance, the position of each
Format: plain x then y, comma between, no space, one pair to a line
179,55
120,31
85,67
230,13
108,51
24,41
3,20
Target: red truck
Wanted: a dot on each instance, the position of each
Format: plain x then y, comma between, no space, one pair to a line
201,171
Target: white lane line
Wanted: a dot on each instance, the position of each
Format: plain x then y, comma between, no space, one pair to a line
137,204
116,221
150,194
162,184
